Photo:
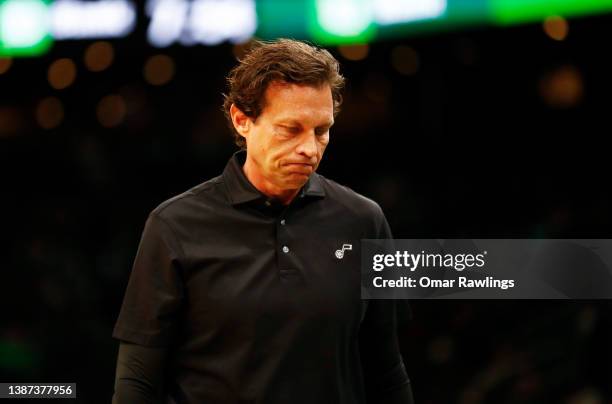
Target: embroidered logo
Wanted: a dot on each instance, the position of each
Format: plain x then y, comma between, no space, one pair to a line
340,252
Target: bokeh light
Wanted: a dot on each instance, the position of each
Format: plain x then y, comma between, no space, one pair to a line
99,56
159,70
49,113
556,27
62,73
354,52
5,64
11,121
562,87
405,60
111,110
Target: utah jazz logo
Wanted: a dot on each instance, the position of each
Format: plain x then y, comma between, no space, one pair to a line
340,252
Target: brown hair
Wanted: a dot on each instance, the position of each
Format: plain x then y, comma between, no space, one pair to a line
283,60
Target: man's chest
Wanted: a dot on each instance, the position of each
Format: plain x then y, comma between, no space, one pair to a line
288,268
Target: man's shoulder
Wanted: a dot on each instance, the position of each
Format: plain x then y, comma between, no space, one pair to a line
351,199
201,196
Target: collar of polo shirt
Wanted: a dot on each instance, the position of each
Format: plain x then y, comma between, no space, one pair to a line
240,189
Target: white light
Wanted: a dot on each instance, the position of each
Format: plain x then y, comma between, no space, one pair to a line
214,21
167,21
200,21
24,23
402,11
92,19
344,17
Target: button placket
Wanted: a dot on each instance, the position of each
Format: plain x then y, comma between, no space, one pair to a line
286,264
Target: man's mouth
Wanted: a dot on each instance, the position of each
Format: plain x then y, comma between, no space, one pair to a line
300,168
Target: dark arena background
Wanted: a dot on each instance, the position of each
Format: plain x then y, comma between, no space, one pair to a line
468,120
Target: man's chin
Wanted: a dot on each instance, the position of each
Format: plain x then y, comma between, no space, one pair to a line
296,181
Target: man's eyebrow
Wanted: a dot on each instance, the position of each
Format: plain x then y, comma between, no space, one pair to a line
288,122
293,122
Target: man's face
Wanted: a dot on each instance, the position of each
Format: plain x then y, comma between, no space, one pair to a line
286,142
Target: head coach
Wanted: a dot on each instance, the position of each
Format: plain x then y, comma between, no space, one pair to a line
246,288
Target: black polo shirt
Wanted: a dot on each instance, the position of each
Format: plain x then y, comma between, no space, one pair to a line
253,302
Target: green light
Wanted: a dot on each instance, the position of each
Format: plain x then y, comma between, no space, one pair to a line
341,21
278,18
517,11
24,27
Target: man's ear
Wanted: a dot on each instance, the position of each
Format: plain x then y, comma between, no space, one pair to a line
242,123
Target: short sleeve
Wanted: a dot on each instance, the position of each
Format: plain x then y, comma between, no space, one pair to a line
155,289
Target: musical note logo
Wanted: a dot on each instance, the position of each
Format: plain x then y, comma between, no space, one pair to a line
340,252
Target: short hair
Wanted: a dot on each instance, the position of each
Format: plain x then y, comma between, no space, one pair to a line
282,60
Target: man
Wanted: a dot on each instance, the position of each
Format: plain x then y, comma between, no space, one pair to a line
246,288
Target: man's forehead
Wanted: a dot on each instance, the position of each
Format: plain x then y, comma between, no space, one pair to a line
296,101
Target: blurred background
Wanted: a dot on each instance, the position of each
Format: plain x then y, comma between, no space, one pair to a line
462,118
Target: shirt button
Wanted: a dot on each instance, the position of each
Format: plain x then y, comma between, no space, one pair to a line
285,249
282,222
268,203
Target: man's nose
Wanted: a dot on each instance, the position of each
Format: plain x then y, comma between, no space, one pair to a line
308,145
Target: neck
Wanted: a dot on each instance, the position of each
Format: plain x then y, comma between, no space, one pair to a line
285,196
